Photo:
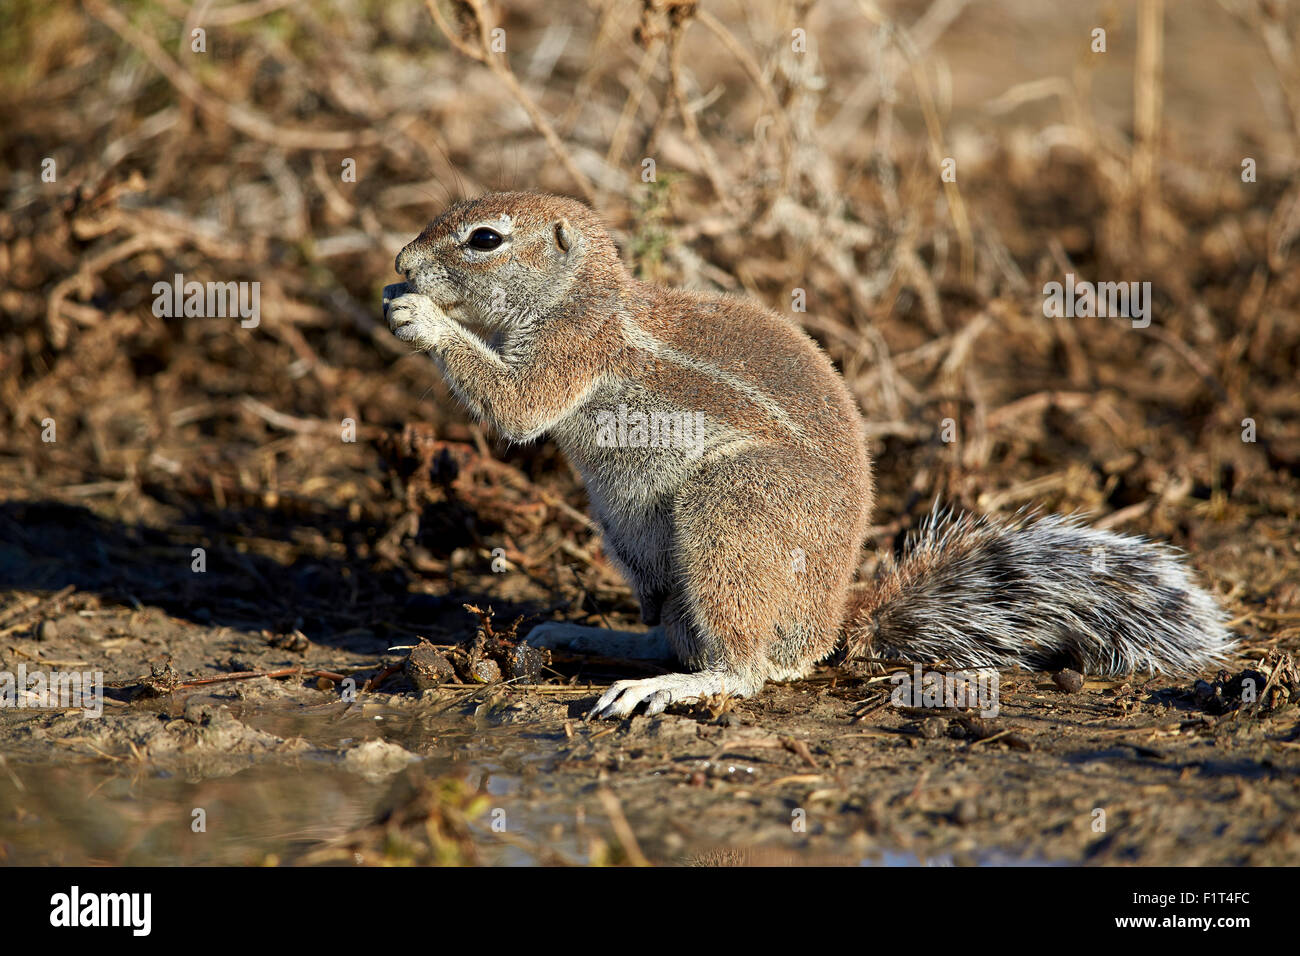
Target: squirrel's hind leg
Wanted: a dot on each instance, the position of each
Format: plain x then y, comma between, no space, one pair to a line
651,645
721,672
757,583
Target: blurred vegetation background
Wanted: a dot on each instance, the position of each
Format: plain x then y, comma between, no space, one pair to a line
796,146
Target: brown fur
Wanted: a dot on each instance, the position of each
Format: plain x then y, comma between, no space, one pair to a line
711,542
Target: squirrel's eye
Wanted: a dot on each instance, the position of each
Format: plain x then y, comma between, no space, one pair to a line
484,239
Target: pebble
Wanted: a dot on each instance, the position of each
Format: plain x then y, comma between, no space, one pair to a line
1069,681
426,668
931,728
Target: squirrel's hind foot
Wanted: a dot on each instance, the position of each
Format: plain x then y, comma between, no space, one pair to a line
657,693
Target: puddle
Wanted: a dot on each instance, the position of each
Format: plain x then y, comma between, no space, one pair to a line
92,815
116,812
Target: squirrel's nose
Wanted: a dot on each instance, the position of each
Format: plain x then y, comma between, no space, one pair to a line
403,263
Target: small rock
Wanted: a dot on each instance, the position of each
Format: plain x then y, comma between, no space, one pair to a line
375,759
931,728
1204,691
203,712
485,671
47,631
295,641
1069,681
426,668
976,728
524,664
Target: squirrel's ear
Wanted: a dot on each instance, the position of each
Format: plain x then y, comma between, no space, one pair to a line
563,235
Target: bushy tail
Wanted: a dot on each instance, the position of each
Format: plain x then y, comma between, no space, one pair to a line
1039,592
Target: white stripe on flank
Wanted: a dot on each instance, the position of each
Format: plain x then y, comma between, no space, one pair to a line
642,339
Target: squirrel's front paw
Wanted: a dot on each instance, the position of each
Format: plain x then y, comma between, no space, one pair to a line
412,317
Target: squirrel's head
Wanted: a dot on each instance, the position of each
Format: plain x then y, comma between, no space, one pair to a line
506,260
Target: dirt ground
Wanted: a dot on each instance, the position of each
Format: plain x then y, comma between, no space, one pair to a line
304,499
823,771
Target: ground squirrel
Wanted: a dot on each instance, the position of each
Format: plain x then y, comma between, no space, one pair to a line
727,468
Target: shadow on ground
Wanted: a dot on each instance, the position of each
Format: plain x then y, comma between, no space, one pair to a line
47,546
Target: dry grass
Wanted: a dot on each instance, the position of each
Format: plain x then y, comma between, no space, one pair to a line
777,171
